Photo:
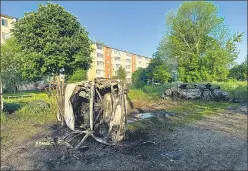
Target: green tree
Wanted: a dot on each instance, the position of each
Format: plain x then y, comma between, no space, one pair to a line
10,65
199,43
139,78
157,70
121,73
239,72
160,74
53,40
78,75
156,61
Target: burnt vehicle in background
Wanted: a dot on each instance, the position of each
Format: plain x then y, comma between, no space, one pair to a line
197,91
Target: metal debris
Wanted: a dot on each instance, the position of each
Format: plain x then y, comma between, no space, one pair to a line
55,142
140,116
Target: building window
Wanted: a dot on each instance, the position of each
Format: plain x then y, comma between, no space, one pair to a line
117,52
99,46
117,66
5,35
99,55
98,71
99,63
128,60
128,67
4,22
117,58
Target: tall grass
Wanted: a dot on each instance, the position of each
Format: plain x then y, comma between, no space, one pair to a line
149,92
237,89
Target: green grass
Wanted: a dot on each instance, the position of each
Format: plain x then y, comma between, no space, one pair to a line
139,95
195,110
149,92
26,120
237,89
36,95
13,104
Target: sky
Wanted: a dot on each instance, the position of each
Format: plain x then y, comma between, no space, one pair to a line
137,26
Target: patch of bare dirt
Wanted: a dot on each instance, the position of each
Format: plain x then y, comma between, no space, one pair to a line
215,142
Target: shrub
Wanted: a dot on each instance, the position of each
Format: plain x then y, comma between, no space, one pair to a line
78,75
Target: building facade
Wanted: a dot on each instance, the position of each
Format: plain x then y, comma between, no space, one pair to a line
6,26
106,61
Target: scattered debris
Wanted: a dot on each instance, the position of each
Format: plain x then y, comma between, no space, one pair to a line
8,168
147,143
140,116
55,142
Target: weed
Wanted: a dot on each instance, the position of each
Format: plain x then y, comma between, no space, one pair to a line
139,95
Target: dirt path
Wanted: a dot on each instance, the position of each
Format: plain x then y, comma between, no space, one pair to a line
216,142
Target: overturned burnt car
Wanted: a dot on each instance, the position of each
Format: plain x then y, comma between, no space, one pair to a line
95,108
197,91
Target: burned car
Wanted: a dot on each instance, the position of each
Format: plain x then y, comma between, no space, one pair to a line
197,91
95,108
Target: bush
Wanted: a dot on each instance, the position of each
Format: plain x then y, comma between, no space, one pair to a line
239,72
138,78
77,76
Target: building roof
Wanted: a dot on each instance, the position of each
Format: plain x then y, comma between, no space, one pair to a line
7,16
124,51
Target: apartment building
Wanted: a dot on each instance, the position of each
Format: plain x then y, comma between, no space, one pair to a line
6,26
107,60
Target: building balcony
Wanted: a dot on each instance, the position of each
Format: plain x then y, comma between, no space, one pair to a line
99,51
